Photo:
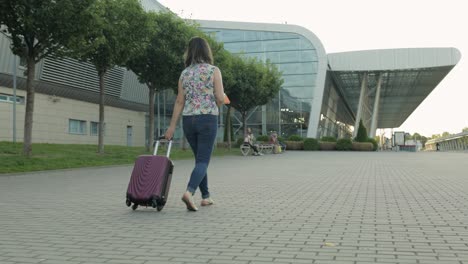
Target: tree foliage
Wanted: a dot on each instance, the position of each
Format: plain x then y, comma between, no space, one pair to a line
120,30
362,133
38,29
160,62
253,84
224,61
41,28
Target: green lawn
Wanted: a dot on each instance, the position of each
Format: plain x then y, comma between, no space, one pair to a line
59,156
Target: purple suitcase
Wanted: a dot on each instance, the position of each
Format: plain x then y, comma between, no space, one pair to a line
150,181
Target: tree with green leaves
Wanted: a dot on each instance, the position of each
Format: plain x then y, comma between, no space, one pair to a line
224,59
362,133
445,134
160,63
120,30
423,141
38,29
254,84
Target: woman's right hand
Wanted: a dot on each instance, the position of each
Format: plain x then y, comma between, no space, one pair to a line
169,133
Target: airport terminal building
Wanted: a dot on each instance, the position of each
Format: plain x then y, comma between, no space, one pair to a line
322,95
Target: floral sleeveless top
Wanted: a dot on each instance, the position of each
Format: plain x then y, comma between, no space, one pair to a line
198,83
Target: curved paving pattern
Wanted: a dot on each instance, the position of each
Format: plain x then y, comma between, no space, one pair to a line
300,207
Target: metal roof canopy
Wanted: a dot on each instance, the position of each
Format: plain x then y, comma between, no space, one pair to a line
409,76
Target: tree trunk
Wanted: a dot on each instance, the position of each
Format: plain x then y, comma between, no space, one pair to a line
101,112
28,118
244,121
228,125
164,111
159,117
151,119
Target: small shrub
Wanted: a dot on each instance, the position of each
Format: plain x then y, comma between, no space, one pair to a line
295,138
328,139
311,144
344,144
263,138
281,139
362,133
239,142
374,143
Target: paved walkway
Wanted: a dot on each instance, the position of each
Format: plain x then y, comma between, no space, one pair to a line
300,207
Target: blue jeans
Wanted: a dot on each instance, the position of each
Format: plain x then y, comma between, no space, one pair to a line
200,131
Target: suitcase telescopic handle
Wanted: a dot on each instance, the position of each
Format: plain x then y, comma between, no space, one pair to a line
157,146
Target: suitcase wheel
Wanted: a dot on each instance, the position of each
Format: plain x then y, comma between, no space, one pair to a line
135,206
128,203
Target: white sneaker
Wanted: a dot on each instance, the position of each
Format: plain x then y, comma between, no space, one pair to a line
260,154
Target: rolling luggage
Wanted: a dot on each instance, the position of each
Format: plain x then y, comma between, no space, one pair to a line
151,179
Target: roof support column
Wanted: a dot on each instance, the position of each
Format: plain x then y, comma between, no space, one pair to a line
375,110
264,120
361,102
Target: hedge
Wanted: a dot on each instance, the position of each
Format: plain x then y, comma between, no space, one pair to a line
311,144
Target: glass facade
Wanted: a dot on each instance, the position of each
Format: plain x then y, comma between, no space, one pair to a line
336,118
288,113
296,58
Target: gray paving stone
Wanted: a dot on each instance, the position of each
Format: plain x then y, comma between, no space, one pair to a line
25,260
221,261
53,261
53,257
20,254
334,262
188,260
372,207
90,259
126,261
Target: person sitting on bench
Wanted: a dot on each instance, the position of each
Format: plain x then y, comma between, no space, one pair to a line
249,139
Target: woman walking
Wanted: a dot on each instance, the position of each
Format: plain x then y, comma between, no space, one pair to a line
200,93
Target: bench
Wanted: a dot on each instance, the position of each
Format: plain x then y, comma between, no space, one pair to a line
266,148
245,149
262,148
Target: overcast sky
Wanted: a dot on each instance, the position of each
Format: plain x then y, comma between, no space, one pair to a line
344,25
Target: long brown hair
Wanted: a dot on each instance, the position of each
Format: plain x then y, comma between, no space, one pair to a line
198,51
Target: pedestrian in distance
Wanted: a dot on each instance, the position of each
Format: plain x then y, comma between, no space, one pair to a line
200,94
